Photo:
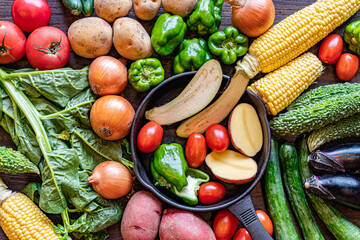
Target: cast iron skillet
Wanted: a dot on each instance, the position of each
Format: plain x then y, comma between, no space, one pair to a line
237,198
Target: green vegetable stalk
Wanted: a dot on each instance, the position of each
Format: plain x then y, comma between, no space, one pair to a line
352,36
206,17
168,32
228,44
193,53
145,73
46,114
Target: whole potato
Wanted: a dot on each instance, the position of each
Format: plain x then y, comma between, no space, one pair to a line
112,9
131,39
90,37
180,224
183,9
141,217
146,9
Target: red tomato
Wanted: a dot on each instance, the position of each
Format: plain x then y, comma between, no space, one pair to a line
217,138
211,192
243,234
265,221
331,49
195,150
225,224
347,66
149,137
30,14
12,41
48,48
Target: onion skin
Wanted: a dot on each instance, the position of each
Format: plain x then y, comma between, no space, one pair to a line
111,180
252,17
107,76
111,117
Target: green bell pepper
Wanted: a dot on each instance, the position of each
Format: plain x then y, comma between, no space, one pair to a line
193,53
170,164
195,178
206,17
352,36
228,44
168,32
145,73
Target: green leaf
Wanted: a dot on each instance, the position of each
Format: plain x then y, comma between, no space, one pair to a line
32,191
60,179
93,150
101,235
59,86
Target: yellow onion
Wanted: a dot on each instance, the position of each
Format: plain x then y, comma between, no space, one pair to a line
107,75
111,180
111,117
252,17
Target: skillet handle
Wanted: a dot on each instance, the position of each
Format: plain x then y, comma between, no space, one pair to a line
245,212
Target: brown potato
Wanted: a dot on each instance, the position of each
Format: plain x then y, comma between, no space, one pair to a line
131,39
183,9
90,37
110,10
146,9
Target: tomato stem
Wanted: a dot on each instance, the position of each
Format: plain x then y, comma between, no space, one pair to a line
52,49
4,49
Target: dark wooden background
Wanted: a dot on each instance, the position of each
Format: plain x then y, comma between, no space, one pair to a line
62,19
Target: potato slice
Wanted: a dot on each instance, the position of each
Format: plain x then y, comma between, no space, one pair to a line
245,129
231,166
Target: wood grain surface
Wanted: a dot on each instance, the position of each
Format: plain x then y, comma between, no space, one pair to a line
62,19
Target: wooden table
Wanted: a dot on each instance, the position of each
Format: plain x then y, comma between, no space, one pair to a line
62,19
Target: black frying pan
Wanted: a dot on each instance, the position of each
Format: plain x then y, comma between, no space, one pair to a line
237,198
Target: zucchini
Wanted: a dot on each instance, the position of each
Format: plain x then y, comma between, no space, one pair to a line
293,186
317,115
347,127
275,197
87,7
322,93
75,6
338,225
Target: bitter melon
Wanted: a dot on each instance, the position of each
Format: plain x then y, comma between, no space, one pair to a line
14,162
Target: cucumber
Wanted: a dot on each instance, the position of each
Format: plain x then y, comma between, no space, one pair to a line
275,198
323,92
75,6
87,7
316,115
338,225
347,127
293,186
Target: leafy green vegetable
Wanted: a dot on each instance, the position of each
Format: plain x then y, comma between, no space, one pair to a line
47,115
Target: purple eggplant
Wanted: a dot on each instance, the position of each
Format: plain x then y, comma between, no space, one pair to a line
342,158
342,188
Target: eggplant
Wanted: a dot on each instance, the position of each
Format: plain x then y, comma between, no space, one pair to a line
342,158
341,188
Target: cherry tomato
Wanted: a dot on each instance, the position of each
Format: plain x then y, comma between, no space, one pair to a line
331,49
195,150
48,48
149,137
217,138
30,14
12,42
265,221
347,66
225,224
211,192
243,234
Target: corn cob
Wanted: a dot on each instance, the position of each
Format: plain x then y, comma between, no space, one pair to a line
296,34
21,219
279,88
